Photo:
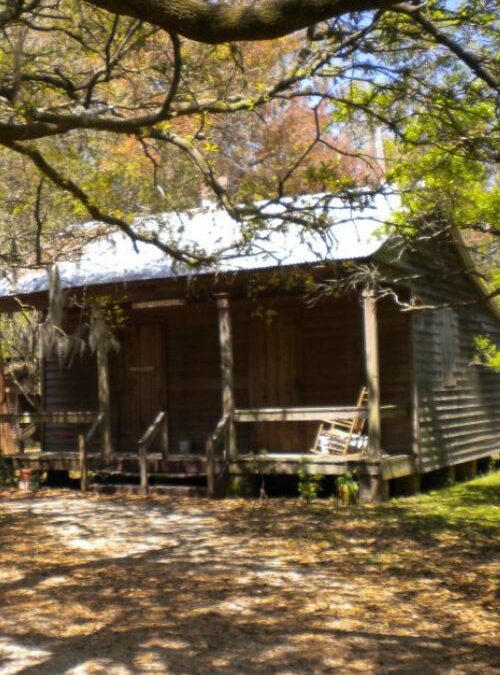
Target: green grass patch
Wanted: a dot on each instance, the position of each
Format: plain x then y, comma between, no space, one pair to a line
476,501
468,512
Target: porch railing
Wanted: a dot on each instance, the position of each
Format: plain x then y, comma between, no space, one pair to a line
296,414
83,443
25,424
215,443
159,426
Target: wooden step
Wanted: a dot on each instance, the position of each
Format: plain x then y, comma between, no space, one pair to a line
114,473
167,490
175,466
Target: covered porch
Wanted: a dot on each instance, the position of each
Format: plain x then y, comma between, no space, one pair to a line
233,387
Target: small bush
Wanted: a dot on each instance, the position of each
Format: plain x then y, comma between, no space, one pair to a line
7,476
348,488
309,485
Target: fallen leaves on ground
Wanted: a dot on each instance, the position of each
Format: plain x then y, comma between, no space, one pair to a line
126,585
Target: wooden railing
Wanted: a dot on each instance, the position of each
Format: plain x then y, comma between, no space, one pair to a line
83,443
215,442
159,426
73,417
309,414
33,420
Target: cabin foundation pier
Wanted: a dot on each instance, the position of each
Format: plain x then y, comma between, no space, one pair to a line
440,478
373,489
406,486
466,470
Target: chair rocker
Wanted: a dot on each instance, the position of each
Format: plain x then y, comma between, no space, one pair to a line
339,436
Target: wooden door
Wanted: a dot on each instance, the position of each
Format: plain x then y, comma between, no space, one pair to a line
144,380
275,352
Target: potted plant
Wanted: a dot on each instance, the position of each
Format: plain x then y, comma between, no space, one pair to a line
348,488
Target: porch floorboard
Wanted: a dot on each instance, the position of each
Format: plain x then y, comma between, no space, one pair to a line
286,463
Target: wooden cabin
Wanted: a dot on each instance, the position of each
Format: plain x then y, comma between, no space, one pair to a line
228,375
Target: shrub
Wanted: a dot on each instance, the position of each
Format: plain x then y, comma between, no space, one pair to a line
7,476
309,485
348,488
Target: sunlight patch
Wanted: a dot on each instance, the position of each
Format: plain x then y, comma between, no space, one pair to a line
14,657
54,581
108,529
9,575
100,667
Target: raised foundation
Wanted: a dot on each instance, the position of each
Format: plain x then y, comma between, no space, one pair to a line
483,464
439,478
58,478
466,471
406,486
373,489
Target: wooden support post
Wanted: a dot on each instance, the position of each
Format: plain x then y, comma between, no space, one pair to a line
372,374
210,467
143,468
104,401
226,358
466,470
19,439
164,438
7,445
373,489
82,457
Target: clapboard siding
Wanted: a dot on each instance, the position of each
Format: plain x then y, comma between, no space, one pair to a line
285,353
70,386
458,402
193,376
289,353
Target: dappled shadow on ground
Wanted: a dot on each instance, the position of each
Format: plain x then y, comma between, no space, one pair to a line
89,585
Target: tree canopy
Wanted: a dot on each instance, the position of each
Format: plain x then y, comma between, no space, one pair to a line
110,109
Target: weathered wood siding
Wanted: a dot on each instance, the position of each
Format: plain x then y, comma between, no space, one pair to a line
68,387
458,403
193,375
313,356
285,354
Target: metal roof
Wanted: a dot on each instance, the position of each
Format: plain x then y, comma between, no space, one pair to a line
347,234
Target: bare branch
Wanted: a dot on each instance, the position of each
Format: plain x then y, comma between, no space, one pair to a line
94,211
466,56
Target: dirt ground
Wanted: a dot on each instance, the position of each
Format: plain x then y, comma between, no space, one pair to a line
120,586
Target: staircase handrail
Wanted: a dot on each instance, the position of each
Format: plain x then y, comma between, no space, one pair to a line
160,423
214,441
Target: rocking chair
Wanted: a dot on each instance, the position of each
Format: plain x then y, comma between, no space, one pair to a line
339,436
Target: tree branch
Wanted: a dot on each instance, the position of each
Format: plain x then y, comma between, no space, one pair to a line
94,211
466,56
214,23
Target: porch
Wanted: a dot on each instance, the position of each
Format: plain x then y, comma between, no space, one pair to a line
187,474
218,389
183,476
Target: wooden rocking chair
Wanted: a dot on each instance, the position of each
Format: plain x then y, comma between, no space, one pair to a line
338,436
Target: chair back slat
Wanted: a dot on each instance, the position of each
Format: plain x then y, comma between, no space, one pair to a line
336,436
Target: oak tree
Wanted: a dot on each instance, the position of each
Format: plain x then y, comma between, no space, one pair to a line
124,108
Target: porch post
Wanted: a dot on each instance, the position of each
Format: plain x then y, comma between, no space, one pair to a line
7,445
372,374
226,360
104,399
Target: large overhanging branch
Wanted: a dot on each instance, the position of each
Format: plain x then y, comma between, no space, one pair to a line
215,23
